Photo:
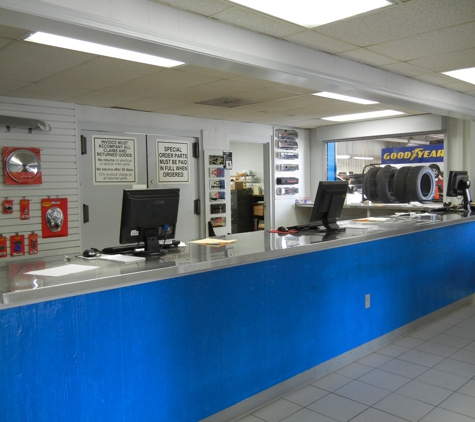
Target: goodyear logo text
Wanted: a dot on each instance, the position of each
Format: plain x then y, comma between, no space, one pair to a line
426,154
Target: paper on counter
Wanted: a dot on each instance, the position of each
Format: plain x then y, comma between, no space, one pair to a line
213,242
63,270
122,258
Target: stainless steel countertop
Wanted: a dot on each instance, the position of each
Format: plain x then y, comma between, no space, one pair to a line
18,288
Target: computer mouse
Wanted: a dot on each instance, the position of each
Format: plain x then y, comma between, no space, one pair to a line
282,229
89,253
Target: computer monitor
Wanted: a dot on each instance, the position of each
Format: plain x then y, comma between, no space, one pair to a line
149,216
328,204
458,184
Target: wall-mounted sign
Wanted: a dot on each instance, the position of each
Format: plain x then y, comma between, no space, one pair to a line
114,160
173,161
419,154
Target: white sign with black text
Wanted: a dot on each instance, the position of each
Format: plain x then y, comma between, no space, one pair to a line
173,161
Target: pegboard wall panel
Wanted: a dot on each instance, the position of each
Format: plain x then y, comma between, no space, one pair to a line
58,159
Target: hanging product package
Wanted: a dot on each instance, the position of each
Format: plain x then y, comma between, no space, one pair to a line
22,166
54,217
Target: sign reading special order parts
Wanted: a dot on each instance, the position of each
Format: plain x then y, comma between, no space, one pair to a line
173,161
114,160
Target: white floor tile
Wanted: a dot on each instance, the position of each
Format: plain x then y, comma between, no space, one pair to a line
460,403
443,379
421,358
461,332
437,349
426,393
331,381
393,350
404,407
423,334
354,370
450,340
384,379
409,342
438,327
337,407
306,415
468,389
277,411
306,395
374,360
403,368
362,393
470,346
249,418
375,415
443,415
464,355
456,367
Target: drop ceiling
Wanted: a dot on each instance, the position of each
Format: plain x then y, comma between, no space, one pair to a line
418,39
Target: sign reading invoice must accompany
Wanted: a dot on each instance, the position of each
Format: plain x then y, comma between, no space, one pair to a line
114,160
173,161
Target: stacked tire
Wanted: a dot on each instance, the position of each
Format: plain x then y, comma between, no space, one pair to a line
391,184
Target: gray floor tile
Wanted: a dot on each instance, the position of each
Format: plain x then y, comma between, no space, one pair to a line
362,393
331,382
468,389
277,411
409,342
354,370
456,367
464,355
443,379
438,327
460,403
423,334
306,395
470,346
437,349
384,379
426,393
403,368
450,340
374,360
375,415
393,350
337,407
461,332
468,323
421,358
404,407
307,415
249,418
443,415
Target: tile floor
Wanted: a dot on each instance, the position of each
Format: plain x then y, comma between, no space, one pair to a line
426,376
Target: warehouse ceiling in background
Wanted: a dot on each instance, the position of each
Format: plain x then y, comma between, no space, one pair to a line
418,39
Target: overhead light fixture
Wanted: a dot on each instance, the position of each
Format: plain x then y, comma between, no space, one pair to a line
466,75
343,157
363,158
344,98
100,50
363,116
313,13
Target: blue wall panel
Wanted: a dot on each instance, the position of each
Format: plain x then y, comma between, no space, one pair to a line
185,348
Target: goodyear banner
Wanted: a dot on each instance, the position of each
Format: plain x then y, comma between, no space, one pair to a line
408,155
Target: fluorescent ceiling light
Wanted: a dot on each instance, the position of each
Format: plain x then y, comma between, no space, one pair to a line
100,50
363,158
343,157
466,75
312,13
363,116
344,98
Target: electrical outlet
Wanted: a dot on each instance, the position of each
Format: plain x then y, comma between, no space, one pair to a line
367,301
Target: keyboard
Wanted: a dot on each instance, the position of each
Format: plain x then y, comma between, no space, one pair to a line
307,226
114,250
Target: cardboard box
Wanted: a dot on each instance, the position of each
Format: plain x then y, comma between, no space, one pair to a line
259,210
238,185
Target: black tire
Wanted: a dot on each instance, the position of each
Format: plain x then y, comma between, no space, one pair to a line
420,184
435,169
370,188
399,184
384,182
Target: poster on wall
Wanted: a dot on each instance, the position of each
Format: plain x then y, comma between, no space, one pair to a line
173,161
54,217
114,160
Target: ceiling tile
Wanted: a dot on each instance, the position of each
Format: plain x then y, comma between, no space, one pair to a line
206,8
366,56
440,41
13,33
404,69
435,78
257,22
48,92
266,94
400,21
206,71
11,85
460,86
149,104
317,41
4,42
102,99
461,59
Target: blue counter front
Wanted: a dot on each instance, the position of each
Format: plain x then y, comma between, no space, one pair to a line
185,347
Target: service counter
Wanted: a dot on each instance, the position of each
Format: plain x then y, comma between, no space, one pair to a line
208,333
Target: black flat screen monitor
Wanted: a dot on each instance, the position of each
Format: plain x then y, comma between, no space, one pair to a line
149,216
328,204
458,184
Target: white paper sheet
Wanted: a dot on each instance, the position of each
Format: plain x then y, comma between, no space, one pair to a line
63,270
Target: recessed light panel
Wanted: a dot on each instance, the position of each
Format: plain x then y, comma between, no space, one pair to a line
466,75
363,116
344,98
312,13
100,50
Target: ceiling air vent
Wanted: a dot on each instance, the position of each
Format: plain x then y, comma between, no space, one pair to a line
227,102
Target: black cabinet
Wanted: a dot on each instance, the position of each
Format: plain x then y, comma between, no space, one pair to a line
242,211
